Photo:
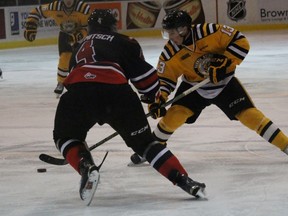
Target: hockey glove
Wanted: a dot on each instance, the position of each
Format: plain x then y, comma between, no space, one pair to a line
30,31
75,38
155,108
217,69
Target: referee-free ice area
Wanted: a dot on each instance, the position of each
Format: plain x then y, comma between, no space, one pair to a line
244,174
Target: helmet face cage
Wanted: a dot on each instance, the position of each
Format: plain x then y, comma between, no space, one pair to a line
167,33
102,18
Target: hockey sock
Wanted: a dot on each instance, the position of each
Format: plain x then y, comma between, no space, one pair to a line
257,121
164,161
73,157
73,154
63,66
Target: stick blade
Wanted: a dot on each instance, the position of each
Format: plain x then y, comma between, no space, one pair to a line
51,160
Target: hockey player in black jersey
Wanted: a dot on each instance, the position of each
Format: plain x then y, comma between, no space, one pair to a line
98,92
195,53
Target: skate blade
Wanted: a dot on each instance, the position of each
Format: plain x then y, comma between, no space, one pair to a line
58,95
90,188
201,193
131,164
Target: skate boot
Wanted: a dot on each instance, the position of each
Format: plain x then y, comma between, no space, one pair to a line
59,89
191,187
136,160
89,180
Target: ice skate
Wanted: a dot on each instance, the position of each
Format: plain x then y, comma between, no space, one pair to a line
136,160
89,180
191,187
59,89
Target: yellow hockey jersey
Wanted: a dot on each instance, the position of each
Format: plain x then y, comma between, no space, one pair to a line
69,22
190,61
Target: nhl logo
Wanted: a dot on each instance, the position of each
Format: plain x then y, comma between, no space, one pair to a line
236,9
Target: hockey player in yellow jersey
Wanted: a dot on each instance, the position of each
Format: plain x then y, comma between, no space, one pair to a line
71,16
195,53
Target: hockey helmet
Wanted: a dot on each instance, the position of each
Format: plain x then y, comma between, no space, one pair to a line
176,19
103,19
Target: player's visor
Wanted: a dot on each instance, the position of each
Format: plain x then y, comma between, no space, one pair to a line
171,33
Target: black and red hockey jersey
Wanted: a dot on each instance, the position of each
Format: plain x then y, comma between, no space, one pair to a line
112,58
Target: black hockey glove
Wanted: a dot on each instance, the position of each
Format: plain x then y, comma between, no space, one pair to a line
30,31
155,108
217,68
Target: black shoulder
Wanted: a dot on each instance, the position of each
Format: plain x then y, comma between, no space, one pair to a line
169,50
82,7
204,29
55,6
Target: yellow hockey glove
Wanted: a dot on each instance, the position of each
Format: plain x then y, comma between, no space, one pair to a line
217,68
30,31
155,108
75,38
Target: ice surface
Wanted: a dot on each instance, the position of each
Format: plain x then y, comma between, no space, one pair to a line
244,174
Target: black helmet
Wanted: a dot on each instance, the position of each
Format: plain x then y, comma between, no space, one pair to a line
103,19
175,19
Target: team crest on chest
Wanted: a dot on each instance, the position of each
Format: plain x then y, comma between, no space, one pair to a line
202,64
236,9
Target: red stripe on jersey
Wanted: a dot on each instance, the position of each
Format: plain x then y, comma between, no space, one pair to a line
171,164
98,74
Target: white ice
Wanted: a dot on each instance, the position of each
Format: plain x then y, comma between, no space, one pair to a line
244,174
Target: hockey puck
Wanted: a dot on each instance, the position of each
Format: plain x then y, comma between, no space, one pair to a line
135,158
41,170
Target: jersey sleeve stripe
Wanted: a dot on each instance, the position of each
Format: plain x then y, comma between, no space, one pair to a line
148,88
143,76
34,16
146,82
82,7
40,13
169,50
167,85
199,31
239,35
211,28
165,89
237,51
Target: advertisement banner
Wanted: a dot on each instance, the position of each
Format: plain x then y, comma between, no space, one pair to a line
269,12
14,23
147,14
143,16
259,12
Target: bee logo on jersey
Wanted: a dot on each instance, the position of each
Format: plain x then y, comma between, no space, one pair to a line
236,9
202,63
68,26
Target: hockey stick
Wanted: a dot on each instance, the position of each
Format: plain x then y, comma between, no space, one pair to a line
61,161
